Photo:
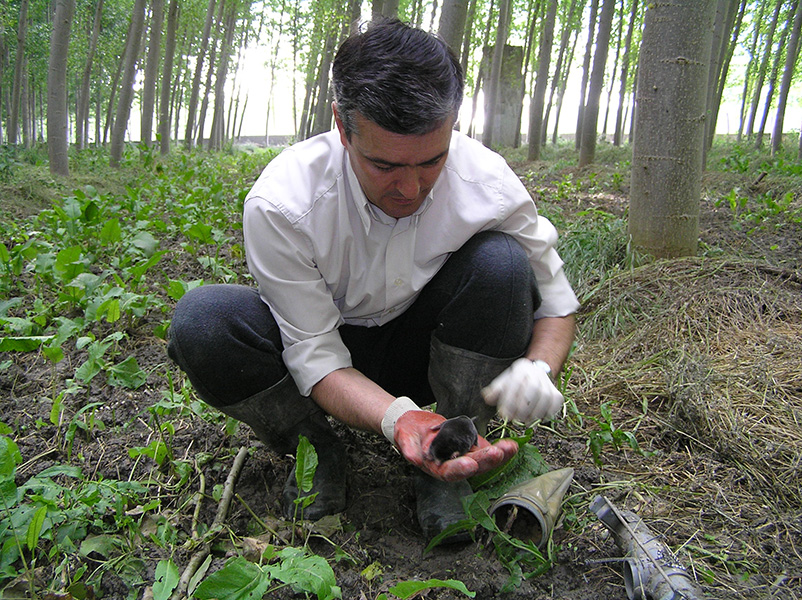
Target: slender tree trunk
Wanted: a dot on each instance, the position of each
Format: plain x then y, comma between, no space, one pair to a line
785,83
580,116
207,88
622,90
615,69
167,77
196,78
481,75
565,37
151,71
763,68
57,118
751,68
127,88
16,88
536,124
670,133
590,116
775,69
561,87
216,138
82,113
495,73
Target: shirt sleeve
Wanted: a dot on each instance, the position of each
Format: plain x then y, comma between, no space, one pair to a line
281,260
538,236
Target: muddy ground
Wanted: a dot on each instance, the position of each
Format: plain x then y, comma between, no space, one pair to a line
743,552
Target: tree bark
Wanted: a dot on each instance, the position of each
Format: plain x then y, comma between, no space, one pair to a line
167,78
127,88
16,88
196,78
622,90
775,68
495,72
536,124
762,69
452,23
151,71
594,8
590,116
785,83
82,112
669,131
217,136
57,117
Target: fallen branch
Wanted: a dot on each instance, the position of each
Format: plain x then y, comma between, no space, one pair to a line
217,525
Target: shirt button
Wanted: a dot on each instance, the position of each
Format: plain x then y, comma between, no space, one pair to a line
399,282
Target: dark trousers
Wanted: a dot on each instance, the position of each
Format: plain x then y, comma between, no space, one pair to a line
483,300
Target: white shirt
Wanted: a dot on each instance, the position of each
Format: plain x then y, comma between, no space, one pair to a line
323,255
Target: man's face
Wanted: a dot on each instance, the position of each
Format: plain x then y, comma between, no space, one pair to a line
396,171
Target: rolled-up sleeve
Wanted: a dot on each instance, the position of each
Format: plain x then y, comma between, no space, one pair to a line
296,293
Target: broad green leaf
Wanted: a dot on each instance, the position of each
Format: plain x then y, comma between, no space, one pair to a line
145,242
407,589
110,309
237,580
127,374
111,233
68,262
23,343
10,456
167,576
104,545
5,257
306,573
305,464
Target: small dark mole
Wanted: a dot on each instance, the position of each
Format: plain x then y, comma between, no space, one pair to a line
455,437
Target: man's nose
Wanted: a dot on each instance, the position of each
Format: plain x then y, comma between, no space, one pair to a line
409,183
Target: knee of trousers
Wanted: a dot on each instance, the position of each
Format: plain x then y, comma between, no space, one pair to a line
226,340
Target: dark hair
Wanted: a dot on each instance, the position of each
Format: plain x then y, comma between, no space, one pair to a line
402,78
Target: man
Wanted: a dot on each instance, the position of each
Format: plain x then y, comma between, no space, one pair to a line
399,263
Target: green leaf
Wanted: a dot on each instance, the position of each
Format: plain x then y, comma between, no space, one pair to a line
237,580
145,242
35,528
111,233
166,579
305,464
406,589
127,374
23,343
306,573
104,545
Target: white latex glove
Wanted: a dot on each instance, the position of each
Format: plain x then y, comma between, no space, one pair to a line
524,392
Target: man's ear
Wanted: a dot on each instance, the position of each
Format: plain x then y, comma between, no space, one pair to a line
340,125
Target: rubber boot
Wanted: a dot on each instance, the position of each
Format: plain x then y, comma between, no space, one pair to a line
278,416
456,377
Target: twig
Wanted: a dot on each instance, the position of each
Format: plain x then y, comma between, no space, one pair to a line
205,543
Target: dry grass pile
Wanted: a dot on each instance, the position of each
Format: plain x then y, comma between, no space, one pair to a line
702,359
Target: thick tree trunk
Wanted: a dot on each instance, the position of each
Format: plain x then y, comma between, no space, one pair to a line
785,83
536,124
452,23
57,117
590,116
669,130
127,88
167,78
495,72
151,71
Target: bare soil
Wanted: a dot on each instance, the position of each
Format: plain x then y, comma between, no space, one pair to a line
738,532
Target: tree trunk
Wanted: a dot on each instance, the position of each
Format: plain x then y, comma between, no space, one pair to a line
82,111
562,85
196,78
750,68
216,137
785,83
594,7
151,71
127,88
16,88
725,54
495,72
57,117
452,23
775,69
536,124
207,88
565,38
622,90
619,39
590,116
763,68
669,131
167,78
